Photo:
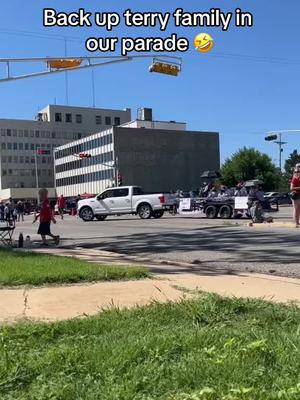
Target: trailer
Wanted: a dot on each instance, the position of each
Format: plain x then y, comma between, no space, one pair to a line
236,207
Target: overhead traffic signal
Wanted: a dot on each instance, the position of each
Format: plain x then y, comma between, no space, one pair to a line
63,63
166,68
271,137
43,152
84,155
120,180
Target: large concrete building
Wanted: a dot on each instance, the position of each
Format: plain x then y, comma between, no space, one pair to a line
54,126
159,156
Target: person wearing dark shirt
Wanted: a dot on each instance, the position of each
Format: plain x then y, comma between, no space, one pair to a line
20,211
46,216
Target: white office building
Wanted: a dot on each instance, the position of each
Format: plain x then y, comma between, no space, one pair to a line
54,126
157,155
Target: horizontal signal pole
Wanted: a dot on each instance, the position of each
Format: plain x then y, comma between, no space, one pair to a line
55,65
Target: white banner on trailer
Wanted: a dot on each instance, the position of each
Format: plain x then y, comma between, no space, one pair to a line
185,204
241,203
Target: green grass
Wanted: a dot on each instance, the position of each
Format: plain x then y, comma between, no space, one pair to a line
209,348
20,268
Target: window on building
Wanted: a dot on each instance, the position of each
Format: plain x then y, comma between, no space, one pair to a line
68,117
21,133
79,135
9,159
16,159
15,132
26,146
3,146
98,120
37,133
4,159
27,160
8,132
4,172
32,160
53,135
3,132
32,146
79,118
58,117
117,121
26,133
31,133
21,159
107,120
21,146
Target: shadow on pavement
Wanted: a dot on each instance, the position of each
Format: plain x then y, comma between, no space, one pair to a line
232,245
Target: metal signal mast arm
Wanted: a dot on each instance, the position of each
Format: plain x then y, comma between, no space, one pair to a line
167,64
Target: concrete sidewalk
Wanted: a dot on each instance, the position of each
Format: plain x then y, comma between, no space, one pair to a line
65,302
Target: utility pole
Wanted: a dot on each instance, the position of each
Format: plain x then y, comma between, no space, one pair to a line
280,144
37,175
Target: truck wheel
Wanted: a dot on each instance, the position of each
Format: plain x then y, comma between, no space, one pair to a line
211,212
158,214
144,211
101,217
86,214
225,212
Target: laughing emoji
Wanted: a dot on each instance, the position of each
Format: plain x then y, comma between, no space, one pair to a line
203,42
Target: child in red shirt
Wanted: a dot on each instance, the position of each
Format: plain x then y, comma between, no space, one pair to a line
46,216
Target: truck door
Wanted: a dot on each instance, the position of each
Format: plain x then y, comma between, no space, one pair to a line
114,201
121,201
105,202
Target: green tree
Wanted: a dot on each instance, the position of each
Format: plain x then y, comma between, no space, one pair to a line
294,158
248,163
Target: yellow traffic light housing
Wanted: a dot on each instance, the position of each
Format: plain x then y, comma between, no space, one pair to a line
165,67
64,63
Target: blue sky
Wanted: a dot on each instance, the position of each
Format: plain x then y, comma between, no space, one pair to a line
239,95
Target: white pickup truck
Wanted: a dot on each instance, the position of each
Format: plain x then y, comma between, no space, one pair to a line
124,200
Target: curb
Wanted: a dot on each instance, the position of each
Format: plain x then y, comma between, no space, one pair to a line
124,257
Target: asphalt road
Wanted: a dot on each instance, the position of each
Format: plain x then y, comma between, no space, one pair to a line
212,245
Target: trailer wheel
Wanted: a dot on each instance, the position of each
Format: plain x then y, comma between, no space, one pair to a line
225,212
211,212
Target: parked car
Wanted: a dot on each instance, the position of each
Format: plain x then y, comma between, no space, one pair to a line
271,194
124,200
279,198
